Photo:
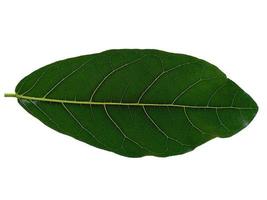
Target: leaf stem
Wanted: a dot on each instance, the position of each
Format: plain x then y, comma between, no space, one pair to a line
10,95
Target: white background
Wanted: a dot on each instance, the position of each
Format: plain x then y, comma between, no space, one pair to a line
39,163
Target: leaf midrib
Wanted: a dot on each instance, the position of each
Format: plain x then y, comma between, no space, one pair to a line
126,103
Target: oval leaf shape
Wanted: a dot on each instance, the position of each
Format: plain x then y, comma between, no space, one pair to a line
137,102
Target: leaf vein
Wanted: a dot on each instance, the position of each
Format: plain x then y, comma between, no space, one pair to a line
160,130
66,77
192,124
82,126
44,113
129,104
221,122
35,83
121,131
111,73
215,92
160,75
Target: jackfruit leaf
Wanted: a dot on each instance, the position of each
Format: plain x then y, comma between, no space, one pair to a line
137,102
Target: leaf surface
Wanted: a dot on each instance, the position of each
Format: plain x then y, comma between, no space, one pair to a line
137,102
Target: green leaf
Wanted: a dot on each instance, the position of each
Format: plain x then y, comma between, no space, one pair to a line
137,102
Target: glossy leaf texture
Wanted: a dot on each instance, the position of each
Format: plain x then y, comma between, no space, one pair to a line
137,102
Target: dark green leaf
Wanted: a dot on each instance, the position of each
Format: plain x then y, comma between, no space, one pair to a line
137,102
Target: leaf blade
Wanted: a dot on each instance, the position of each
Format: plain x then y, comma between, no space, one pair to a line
151,102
